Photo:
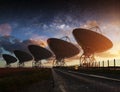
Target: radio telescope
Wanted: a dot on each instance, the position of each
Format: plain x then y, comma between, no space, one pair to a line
22,57
91,43
9,59
39,53
62,50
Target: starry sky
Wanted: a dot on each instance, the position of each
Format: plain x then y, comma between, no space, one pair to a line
42,19
49,17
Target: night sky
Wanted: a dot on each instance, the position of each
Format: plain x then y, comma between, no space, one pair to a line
48,17
42,19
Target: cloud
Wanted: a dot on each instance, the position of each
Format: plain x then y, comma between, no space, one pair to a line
112,30
5,29
106,55
90,24
10,43
39,40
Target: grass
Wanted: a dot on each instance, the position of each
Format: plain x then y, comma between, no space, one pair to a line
17,79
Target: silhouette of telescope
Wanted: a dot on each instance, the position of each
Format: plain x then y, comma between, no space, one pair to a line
39,52
22,56
9,59
62,49
91,42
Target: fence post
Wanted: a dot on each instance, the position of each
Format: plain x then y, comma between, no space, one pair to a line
114,63
99,64
103,63
108,63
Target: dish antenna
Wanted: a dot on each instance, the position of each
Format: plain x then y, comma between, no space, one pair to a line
62,49
39,53
9,59
91,43
22,57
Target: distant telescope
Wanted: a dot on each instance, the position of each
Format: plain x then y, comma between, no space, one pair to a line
9,59
62,49
22,57
91,43
39,53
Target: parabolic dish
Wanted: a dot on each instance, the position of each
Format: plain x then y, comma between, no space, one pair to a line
22,56
91,40
61,48
9,59
39,52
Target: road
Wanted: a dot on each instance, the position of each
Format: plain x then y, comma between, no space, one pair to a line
78,82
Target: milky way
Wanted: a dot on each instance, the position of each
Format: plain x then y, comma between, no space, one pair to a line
49,18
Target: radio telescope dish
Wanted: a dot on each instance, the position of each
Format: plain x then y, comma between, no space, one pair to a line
91,42
39,53
22,57
62,49
9,59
